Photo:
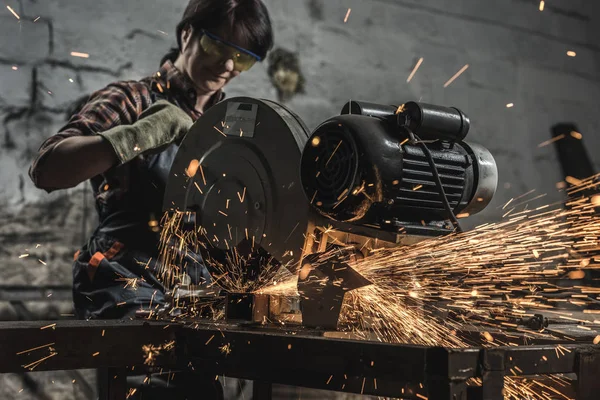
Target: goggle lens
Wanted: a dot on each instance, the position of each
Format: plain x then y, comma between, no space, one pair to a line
214,47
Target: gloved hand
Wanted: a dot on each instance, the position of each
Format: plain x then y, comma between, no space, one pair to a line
161,124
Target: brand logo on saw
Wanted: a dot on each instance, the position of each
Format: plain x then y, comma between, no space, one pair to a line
233,118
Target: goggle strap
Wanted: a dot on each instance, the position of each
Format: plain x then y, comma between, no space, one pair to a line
218,39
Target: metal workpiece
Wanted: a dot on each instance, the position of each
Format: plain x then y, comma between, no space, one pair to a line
285,310
247,307
262,309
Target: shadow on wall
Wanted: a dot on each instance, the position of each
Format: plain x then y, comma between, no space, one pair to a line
284,72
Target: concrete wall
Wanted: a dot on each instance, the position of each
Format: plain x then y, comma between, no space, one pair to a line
516,54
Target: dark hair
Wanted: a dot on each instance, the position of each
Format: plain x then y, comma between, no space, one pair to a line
248,17
170,56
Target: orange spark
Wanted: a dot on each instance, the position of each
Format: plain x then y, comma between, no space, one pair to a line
414,71
347,15
13,12
80,55
463,69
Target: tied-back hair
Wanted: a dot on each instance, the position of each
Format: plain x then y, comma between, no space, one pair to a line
170,56
248,18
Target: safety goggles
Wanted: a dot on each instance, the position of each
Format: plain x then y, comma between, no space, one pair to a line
243,59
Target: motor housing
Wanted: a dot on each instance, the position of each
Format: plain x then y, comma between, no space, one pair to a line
366,169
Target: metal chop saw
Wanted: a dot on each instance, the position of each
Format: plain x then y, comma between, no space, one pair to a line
395,174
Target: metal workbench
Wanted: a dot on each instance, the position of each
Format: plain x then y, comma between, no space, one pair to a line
293,357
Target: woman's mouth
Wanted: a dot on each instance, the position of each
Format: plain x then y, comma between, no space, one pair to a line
215,76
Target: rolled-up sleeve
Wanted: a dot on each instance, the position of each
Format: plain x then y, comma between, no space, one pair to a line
119,103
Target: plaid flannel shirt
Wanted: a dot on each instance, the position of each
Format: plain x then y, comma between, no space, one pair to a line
122,103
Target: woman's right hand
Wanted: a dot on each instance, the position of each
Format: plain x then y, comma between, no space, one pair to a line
78,158
161,124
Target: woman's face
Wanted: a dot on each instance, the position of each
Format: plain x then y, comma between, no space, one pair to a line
209,72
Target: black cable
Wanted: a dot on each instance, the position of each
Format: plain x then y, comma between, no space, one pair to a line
438,181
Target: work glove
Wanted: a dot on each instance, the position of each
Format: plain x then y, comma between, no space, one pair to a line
161,124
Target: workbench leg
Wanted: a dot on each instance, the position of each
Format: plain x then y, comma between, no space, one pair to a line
474,393
492,385
588,371
445,389
492,374
262,390
112,383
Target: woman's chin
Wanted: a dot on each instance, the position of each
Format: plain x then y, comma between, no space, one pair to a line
211,86
216,84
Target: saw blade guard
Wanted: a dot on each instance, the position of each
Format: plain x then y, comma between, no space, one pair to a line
238,172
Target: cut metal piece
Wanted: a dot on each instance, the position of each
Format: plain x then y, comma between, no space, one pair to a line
246,307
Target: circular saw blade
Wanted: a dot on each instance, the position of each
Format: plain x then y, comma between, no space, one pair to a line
246,156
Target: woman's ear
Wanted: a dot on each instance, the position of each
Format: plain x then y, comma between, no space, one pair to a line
186,35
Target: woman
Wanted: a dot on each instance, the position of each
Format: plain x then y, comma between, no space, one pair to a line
124,140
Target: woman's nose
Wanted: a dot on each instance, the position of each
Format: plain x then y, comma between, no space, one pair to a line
229,65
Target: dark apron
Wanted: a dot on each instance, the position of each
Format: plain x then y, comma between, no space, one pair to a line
115,272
